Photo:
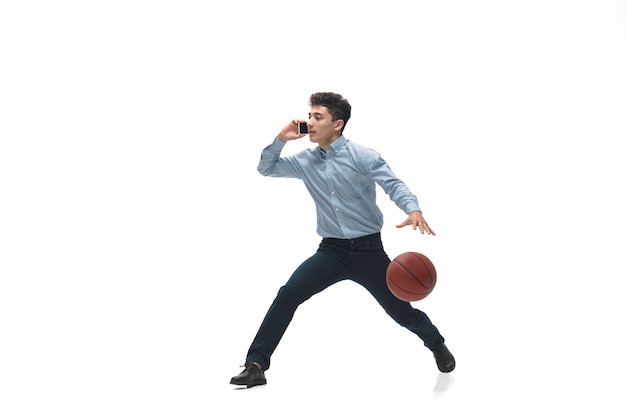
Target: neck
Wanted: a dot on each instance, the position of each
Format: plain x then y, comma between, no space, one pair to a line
323,146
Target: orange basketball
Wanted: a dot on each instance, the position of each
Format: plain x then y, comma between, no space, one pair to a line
411,276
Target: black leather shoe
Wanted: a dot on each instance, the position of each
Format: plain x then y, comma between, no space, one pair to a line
445,360
251,376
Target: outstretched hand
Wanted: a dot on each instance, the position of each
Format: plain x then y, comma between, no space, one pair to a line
416,220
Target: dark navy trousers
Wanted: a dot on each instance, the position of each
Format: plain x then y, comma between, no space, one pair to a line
362,260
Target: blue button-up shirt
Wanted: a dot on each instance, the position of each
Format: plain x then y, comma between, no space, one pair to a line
342,182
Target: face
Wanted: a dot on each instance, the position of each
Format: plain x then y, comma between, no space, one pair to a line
322,129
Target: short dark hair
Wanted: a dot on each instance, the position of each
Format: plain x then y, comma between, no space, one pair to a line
337,105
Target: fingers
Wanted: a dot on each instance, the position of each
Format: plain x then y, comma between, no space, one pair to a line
417,224
405,223
424,227
290,131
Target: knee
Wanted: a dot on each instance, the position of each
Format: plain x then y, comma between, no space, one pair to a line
289,294
406,316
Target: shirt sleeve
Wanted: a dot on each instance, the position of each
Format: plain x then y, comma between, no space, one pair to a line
272,165
396,189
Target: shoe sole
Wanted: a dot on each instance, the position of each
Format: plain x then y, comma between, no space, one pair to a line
250,384
447,370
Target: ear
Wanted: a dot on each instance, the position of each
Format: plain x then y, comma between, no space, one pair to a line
339,125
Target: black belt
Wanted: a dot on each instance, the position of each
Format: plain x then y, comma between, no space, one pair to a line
353,240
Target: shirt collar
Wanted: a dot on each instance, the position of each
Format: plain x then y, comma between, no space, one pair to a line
334,147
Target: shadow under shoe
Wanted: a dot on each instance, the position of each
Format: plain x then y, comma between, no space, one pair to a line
250,377
445,360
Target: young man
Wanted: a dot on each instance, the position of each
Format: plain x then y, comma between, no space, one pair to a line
341,176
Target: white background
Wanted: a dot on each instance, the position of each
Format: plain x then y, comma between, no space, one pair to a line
140,249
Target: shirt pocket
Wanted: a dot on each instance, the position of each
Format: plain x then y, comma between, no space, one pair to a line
351,183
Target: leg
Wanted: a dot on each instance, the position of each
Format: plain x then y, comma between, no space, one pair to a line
314,275
369,269
370,266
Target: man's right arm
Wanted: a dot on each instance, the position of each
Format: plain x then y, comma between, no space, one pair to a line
270,157
271,164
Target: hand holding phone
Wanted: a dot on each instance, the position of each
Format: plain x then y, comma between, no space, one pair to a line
303,129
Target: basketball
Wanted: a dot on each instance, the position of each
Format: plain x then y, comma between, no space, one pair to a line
411,276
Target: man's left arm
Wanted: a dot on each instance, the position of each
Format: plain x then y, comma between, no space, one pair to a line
401,195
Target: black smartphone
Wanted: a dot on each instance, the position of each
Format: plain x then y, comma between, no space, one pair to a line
302,128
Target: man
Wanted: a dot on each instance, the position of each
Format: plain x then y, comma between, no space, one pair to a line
341,176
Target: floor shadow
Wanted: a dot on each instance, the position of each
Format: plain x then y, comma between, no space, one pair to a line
443,384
